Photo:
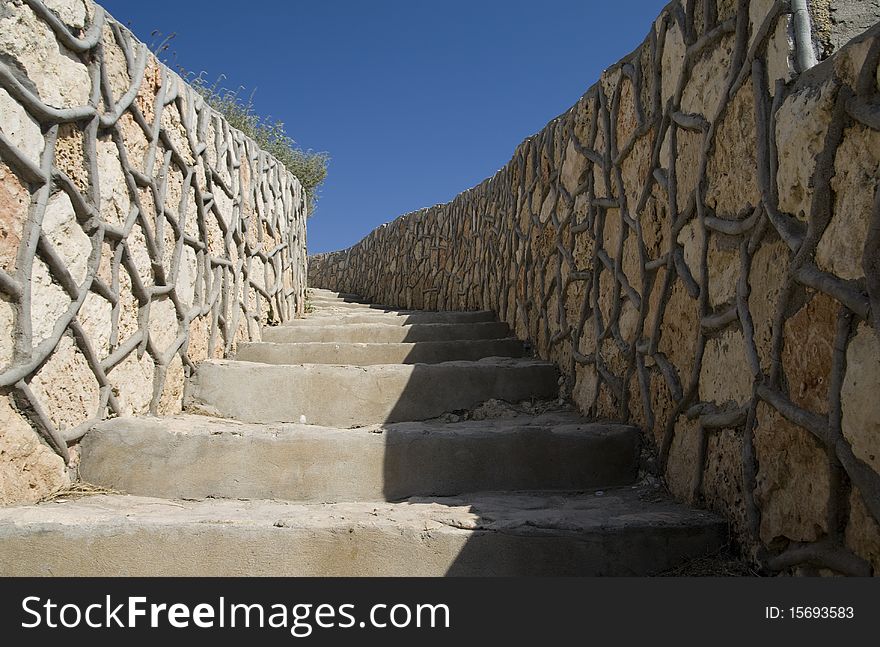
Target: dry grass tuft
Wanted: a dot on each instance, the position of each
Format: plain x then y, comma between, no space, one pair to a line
77,490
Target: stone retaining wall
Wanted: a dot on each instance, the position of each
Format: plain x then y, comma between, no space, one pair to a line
697,244
139,234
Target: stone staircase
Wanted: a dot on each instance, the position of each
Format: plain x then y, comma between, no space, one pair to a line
363,441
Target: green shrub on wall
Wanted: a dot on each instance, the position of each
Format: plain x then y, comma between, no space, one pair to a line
309,166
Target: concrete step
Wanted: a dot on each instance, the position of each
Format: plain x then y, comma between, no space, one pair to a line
482,534
321,292
197,457
387,333
313,293
321,304
353,298
427,352
351,396
398,318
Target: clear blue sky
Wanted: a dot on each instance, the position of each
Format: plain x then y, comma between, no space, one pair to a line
414,101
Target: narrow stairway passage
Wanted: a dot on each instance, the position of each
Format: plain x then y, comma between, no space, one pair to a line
364,440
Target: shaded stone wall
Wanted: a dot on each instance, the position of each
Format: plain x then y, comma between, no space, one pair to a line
697,244
139,234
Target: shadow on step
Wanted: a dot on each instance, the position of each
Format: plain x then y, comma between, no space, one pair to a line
527,502
541,501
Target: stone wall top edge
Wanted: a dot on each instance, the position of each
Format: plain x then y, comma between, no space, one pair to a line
199,99
826,67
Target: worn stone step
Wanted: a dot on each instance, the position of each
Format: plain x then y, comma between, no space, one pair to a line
320,304
398,318
197,457
387,333
482,534
316,293
350,396
427,352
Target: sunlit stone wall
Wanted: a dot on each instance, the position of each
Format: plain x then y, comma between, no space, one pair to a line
697,244
139,234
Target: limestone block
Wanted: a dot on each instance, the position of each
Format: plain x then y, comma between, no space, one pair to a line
678,335
687,163
70,157
662,404
174,189
7,323
66,386
67,237
766,280
628,321
653,227
655,306
171,400
609,288
692,239
29,469
725,374
635,167
861,406
71,12
723,264
732,166
115,65
627,119
94,316
548,206
600,186
128,307
136,244
779,43
191,225
146,96
115,200
172,124
792,507
169,251
60,79
586,386
631,261
863,531
705,87
758,13
672,62
14,203
574,166
132,381
20,128
722,487
848,62
215,240
136,144
807,353
780,50
187,276
683,466
856,169
582,115
48,302
163,323
199,335
726,9
257,273
801,125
